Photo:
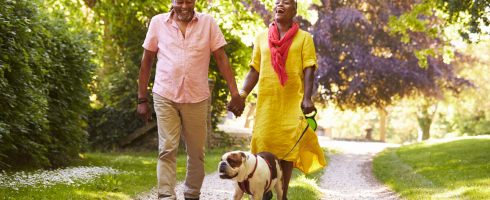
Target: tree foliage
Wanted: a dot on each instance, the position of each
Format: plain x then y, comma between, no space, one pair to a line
463,16
470,114
45,72
471,14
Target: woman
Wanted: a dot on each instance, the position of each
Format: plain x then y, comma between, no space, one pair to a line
283,64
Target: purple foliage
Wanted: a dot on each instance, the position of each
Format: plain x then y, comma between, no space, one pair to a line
361,64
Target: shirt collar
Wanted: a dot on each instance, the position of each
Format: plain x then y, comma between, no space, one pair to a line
196,16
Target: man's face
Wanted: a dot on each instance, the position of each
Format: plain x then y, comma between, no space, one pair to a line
184,9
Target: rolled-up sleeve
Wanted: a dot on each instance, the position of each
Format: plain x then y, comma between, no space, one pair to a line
151,40
308,54
255,61
217,38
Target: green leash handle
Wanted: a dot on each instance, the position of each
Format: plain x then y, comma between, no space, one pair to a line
311,120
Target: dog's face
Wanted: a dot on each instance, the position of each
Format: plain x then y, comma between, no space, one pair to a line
231,164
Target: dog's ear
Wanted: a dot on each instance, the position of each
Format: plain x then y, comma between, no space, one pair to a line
243,155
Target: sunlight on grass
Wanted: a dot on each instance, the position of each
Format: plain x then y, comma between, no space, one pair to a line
144,162
456,169
332,150
97,195
304,188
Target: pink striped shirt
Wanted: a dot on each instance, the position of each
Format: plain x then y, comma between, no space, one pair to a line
182,67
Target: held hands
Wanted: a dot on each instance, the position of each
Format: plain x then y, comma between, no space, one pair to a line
307,106
236,105
144,111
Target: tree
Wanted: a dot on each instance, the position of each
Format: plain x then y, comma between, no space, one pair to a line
476,9
468,15
362,64
470,114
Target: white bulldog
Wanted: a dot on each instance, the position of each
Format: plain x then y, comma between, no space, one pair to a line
252,174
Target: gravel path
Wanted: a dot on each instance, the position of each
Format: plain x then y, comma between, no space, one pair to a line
348,176
212,188
349,173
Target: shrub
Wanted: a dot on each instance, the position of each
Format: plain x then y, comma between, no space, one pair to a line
45,72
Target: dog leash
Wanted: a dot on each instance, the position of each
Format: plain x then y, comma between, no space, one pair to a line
245,184
296,142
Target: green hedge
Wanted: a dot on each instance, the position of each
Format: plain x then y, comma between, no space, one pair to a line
45,72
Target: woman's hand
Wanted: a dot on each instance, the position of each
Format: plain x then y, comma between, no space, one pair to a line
307,106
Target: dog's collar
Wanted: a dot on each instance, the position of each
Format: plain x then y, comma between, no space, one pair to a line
244,185
252,174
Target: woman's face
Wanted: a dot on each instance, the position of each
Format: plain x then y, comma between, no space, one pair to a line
284,10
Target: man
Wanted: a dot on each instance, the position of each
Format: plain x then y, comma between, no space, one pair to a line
183,39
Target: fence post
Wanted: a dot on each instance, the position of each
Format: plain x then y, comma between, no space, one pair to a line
209,134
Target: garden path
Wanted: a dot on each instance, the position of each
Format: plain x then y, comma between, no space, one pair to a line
348,175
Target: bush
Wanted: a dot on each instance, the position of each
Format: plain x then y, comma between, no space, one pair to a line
45,72
107,126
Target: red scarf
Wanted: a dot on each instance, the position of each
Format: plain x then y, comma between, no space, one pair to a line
279,55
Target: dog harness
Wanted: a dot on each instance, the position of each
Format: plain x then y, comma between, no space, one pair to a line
245,184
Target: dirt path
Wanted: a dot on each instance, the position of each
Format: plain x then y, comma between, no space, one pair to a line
212,188
349,173
348,176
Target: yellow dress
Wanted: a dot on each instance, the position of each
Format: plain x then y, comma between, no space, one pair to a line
279,119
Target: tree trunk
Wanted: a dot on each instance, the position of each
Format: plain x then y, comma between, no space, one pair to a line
249,114
425,124
369,134
382,123
425,119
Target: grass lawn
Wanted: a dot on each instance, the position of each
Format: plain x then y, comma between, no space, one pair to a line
141,177
456,169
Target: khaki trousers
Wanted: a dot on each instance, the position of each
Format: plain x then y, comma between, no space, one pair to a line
174,120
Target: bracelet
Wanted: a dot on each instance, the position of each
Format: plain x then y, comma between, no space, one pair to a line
142,100
243,94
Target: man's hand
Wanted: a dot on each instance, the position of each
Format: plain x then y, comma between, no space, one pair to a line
236,105
144,112
307,106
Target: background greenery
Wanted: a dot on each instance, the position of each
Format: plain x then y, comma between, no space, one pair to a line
45,71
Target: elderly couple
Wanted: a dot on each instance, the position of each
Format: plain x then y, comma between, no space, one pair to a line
283,63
